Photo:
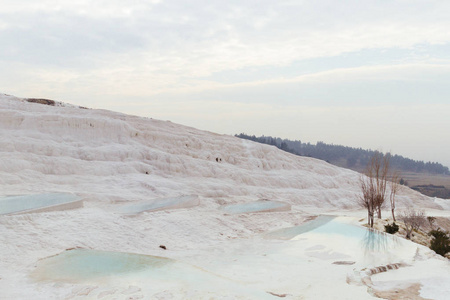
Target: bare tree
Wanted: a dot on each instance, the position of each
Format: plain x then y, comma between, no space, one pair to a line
380,168
373,185
413,220
394,185
367,199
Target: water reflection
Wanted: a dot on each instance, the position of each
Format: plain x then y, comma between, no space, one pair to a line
377,241
334,230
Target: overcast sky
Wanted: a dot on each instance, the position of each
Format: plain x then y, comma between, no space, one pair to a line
370,74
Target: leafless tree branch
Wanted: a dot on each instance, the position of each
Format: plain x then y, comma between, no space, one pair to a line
413,220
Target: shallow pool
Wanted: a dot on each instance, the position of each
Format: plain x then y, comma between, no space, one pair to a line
368,239
25,203
290,232
257,206
338,229
161,204
84,264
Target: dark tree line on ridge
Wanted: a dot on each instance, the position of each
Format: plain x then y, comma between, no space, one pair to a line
348,157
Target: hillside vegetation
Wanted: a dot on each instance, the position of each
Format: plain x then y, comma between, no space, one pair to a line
429,178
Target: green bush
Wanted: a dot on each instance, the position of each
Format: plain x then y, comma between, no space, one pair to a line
440,242
391,228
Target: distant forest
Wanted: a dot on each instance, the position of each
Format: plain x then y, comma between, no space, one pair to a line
347,157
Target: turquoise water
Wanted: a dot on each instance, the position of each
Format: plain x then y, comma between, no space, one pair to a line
83,264
155,204
291,232
13,204
252,207
335,227
368,239
331,227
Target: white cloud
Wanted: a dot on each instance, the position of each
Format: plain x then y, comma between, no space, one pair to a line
201,38
168,53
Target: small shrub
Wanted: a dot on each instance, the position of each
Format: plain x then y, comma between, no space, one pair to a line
440,242
391,228
413,220
431,221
